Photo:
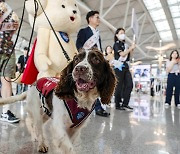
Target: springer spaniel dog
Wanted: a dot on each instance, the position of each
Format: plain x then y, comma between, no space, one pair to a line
65,108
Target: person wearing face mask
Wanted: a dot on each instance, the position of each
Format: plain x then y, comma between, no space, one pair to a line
173,80
124,86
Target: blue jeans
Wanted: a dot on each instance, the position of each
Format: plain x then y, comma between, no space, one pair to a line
21,88
173,81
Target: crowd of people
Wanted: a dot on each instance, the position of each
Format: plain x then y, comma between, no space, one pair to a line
118,54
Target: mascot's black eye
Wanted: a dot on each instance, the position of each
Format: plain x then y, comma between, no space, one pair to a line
63,6
75,5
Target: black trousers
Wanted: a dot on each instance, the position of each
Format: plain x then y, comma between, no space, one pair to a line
152,91
124,86
173,81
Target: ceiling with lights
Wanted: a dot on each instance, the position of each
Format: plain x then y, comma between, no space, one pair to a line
158,22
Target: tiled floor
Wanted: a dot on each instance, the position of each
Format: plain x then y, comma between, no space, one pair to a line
149,129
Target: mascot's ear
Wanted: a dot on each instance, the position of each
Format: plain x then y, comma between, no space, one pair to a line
65,88
30,6
108,85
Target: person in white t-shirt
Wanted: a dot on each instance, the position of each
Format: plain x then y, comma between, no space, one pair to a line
173,80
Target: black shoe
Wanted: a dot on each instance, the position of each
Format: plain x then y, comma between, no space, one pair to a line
120,108
102,113
9,117
128,108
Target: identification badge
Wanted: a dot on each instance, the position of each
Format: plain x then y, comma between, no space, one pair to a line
64,36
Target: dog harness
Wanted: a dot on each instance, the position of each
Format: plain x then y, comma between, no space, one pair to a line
46,86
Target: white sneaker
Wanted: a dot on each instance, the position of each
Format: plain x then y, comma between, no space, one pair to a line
9,117
178,106
167,104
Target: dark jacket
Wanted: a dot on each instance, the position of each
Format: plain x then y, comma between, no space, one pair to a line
120,46
83,35
22,61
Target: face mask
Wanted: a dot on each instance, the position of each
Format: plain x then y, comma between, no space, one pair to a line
121,37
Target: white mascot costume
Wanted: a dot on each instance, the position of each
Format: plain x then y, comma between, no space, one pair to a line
65,19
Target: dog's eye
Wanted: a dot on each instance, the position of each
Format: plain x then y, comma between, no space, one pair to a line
95,60
75,5
63,6
76,60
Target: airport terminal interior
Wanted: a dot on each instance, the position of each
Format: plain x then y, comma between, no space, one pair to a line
151,127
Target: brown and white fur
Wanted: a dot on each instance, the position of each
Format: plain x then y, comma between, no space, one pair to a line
86,78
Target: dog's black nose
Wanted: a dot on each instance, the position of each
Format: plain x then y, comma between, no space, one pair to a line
81,69
74,11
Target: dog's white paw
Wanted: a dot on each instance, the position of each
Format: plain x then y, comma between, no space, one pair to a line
43,148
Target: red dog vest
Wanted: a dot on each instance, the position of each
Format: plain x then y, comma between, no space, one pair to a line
46,85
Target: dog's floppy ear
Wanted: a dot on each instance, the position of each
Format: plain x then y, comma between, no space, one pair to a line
65,88
107,87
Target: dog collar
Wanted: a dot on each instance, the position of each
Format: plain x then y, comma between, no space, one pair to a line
64,36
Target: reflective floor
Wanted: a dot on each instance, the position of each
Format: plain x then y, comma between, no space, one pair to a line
149,129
